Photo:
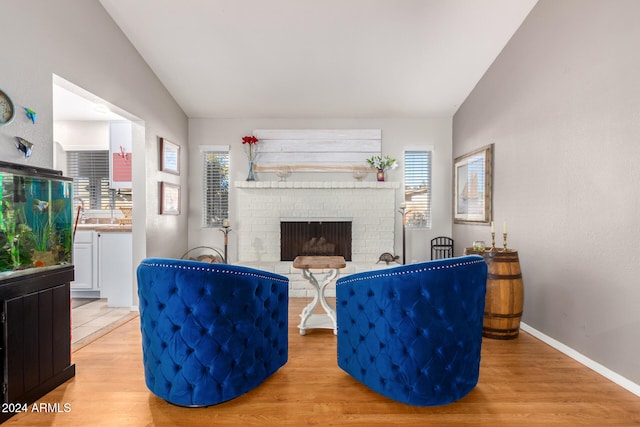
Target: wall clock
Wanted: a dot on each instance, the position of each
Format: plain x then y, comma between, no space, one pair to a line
7,112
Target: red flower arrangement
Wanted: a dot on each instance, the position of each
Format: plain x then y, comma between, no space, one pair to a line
251,140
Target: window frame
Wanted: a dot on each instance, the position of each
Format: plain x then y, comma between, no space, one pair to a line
418,213
207,217
94,192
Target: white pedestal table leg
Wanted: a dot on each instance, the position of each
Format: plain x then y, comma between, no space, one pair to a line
307,312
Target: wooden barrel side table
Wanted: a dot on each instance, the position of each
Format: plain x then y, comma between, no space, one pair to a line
505,293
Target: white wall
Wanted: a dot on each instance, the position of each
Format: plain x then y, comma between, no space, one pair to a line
77,135
562,106
397,134
78,41
82,135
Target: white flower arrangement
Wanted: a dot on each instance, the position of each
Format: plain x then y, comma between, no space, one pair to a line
384,163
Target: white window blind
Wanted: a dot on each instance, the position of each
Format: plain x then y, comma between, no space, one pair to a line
90,173
417,188
215,197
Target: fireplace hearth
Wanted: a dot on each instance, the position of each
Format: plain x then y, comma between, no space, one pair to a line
315,238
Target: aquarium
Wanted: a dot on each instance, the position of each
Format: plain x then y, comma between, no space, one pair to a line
36,219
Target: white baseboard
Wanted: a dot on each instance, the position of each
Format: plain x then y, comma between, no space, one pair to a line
580,358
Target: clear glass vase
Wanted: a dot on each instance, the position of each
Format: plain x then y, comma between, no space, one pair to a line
478,245
251,176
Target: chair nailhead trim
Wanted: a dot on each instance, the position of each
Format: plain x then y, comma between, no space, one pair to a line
384,273
215,270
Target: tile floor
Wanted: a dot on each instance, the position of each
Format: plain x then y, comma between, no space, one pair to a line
91,317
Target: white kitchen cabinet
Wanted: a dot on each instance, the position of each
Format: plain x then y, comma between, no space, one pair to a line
115,268
85,261
103,266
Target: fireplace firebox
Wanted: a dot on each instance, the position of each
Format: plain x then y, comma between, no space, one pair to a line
315,238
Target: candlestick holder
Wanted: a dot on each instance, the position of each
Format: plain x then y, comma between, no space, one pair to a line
403,212
493,241
504,244
225,230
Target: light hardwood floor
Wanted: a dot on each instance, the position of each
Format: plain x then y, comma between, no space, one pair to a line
523,382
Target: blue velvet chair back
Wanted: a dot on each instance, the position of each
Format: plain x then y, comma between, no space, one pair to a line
210,332
414,333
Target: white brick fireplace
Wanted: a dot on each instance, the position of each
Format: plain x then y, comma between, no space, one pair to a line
262,205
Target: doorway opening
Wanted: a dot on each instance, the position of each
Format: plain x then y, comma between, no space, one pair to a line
98,145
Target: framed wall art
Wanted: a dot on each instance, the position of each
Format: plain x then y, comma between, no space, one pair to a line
169,157
472,186
169,199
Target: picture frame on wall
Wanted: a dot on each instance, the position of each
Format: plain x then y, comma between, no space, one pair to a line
473,186
169,157
169,199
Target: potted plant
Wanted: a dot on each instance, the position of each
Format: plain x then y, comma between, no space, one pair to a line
382,163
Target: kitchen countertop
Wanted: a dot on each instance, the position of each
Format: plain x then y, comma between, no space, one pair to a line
111,228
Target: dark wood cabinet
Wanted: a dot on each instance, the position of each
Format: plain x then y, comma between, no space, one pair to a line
35,345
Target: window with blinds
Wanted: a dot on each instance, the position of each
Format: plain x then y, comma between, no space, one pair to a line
215,197
417,188
90,173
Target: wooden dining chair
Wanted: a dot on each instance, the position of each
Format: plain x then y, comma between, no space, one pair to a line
441,247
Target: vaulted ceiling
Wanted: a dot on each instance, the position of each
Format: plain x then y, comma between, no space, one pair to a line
319,58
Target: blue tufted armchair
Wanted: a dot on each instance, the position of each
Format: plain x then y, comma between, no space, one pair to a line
210,332
413,333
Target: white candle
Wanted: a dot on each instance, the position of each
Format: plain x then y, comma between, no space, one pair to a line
225,222
492,227
504,230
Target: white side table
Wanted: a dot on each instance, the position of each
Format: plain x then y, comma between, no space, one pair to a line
306,264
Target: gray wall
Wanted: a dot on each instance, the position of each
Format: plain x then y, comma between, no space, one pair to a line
78,41
397,135
562,106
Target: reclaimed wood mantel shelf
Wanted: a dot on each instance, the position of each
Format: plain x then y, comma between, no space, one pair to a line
316,150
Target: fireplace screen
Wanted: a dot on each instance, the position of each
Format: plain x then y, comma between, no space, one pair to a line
315,238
